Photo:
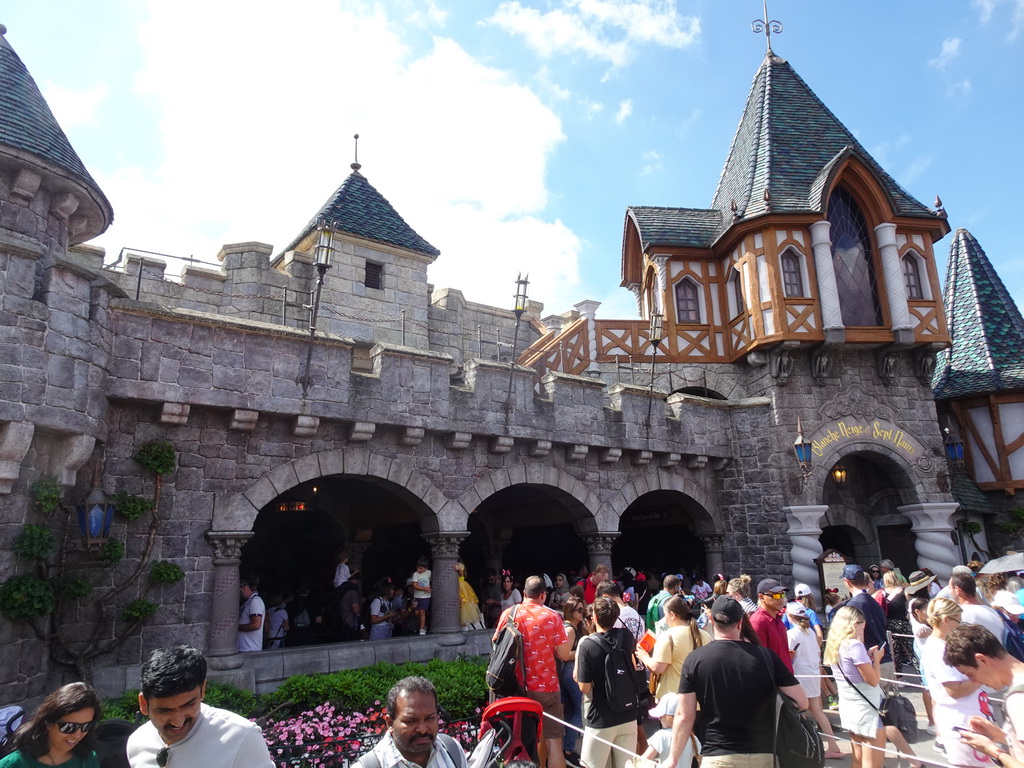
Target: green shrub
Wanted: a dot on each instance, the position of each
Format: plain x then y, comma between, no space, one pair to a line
46,494
138,609
157,456
123,707
164,572
112,551
26,597
229,697
460,686
35,542
130,506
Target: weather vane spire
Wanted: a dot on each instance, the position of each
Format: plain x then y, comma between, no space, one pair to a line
766,26
356,166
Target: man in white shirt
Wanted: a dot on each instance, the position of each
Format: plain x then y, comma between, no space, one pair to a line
412,736
965,592
182,731
628,617
250,617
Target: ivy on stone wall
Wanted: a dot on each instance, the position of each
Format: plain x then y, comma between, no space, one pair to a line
80,620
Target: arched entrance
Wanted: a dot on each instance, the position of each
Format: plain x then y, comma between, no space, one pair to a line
863,520
659,534
297,534
528,529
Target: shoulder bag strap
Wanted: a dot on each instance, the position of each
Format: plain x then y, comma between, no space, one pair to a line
858,690
451,746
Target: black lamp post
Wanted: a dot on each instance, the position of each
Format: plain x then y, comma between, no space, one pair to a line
802,450
655,335
520,308
322,261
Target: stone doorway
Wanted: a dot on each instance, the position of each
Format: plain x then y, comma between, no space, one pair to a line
660,534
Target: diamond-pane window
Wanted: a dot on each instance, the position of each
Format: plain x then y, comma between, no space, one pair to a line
852,262
912,278
687,302
792,280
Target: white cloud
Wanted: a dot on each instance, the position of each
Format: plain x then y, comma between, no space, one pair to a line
625,110
253,139
591,108
987,9
961,88
652,162
73,108
915,170
607,30
950,50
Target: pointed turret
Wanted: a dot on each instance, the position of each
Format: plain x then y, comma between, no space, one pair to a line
359,209
784,147
987,328
38,154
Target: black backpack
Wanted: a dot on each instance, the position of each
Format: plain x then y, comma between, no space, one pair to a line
620,679
507,657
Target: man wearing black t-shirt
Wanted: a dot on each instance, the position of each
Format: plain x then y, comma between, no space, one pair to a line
734,683
603,720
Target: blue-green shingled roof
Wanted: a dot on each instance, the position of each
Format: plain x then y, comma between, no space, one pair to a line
26,122
987,354
786,145
361,210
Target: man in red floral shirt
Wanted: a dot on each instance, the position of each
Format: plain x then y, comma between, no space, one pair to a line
544,638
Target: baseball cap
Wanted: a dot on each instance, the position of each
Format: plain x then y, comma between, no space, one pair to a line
766,586
666,706
796,609
853,572
801,590
725,610
1008,602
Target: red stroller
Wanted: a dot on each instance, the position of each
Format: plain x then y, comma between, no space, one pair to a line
510,729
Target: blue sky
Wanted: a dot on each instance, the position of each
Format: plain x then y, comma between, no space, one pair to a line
511,134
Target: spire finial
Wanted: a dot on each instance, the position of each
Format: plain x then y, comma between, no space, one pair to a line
766,26
356,166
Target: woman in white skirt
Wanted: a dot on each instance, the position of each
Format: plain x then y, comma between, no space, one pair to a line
859,692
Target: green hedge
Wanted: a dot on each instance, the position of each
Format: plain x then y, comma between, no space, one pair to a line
461,690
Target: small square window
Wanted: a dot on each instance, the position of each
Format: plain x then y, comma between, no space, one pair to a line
374,275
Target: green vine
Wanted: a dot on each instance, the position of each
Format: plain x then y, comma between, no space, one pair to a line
972,528
157,456
35,542
164,572
26,597
137,610
131,506
112,551
73,589
46,493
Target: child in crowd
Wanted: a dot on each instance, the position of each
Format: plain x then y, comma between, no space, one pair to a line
659,745
806,653
420,581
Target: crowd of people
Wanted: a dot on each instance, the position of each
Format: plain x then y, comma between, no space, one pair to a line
704,660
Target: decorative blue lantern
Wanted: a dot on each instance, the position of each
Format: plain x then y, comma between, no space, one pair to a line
95,515
954,448
802,449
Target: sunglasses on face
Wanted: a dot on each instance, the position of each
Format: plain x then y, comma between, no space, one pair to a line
68,728
775,595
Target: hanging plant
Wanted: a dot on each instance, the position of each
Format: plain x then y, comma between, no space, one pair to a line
157,456
131,506
164,573
35,542
46,493
26,597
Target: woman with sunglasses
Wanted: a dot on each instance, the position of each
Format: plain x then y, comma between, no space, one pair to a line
60,732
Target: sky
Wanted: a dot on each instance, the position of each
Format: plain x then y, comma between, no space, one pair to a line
511,134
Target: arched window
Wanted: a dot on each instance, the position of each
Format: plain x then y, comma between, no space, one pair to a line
737,303
852,262
912,277
792,279
687,301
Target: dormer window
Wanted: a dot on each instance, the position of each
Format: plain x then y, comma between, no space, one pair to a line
792,279
852,261
912,278
687,301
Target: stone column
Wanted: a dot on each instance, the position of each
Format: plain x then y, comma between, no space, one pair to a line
588,310
892,268
713,546
599,549
804,532
828,293
444,583
933,526
661,265
227,555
